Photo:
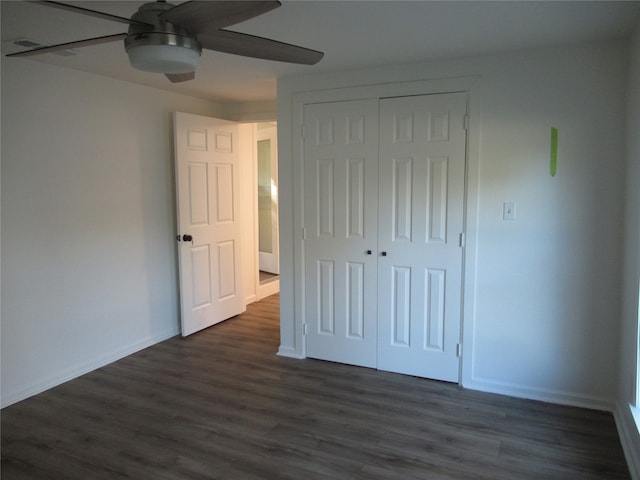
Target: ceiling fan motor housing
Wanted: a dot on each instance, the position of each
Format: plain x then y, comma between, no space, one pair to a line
160,47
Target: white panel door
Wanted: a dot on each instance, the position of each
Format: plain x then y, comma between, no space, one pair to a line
340,218
422,170
206,155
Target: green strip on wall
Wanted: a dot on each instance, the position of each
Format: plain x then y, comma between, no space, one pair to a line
553,166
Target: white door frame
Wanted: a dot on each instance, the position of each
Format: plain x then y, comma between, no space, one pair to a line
469,84
254,291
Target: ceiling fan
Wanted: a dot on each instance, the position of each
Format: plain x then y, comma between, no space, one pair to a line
166,38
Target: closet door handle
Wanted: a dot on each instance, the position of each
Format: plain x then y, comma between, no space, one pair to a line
369,252
384,254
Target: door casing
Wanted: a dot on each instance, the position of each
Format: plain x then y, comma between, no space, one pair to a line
292,309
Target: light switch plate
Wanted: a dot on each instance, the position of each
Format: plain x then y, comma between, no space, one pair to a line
509,211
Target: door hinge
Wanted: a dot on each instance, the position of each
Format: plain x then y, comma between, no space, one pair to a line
302,131
465,122
461,240
304,233
458,350
304,329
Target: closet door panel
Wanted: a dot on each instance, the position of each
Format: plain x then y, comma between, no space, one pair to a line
341,225
421,197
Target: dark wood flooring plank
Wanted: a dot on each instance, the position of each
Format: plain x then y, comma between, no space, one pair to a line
221,405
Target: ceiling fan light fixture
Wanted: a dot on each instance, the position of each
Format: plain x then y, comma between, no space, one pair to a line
163,52
171,59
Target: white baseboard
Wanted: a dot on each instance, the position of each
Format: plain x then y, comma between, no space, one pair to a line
250,299
268,289
544,395
629,433
11,397
289,352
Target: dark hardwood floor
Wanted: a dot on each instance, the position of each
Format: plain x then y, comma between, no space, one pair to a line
221,404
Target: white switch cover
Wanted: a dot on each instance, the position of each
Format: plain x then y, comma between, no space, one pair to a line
509,211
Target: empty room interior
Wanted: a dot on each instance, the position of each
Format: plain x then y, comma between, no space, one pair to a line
446,283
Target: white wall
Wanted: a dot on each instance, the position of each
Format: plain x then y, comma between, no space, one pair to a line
248,201
629,376
542,319
259,111
547,286
88,222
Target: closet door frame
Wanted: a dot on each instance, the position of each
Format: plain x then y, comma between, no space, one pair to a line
293,342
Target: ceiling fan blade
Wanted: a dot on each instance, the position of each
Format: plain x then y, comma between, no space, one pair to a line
208,16
89,12
180,77
69,45
258,47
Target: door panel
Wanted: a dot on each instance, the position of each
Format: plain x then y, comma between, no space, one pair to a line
207,200
341,175
387,177
422,167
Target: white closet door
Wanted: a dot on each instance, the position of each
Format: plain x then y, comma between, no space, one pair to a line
341,208
422,170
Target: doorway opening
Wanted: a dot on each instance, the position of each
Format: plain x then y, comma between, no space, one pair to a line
267,214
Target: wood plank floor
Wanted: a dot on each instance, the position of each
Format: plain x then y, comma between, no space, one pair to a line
221,404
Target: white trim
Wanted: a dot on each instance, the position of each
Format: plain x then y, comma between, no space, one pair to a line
9,398
383,90
251,298
249,207
541,394
636,392
467,84
627,418
299,344
267,289
289,353
471,212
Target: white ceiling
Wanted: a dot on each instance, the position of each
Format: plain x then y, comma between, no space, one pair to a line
353,34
